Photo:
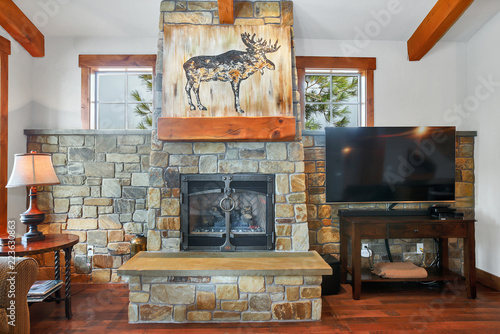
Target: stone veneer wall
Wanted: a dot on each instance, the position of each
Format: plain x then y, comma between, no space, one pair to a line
323,218
170,160
102,196
224,298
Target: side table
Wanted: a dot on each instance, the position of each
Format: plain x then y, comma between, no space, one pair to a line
52,242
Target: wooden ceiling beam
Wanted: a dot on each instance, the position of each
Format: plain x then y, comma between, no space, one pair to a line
226,11
441,18
13,20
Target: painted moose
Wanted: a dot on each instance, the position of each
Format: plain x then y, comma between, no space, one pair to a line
233,66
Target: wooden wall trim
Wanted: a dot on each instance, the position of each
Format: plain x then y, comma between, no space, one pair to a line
301,76
360,63
4,136
370,96
226,11
4,45
90,63
441,18
488,279
13,20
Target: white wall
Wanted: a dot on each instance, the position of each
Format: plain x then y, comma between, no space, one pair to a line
20,105
57,79
406,93
483,52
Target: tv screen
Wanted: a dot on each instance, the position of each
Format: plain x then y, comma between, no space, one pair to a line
390,164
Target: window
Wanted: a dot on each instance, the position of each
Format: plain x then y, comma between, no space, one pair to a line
121,98
116,91
336,91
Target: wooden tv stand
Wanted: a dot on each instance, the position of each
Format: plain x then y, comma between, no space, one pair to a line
355,228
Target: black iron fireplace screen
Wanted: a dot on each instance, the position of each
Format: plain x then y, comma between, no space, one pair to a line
227,212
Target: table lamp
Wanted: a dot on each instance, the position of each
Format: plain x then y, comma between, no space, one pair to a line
32,169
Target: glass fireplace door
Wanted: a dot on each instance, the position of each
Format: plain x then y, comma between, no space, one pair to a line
227,212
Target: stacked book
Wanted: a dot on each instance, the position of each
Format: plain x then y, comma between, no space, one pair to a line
42,289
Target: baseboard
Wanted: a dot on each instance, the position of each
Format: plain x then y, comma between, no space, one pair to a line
488,279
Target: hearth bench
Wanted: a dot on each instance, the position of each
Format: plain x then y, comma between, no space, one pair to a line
224,286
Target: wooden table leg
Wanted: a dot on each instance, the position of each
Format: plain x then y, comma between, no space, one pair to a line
67,282
470,262
356,263
444,258
343,255
57,274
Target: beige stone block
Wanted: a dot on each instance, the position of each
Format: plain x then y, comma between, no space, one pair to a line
275,288
209,148
138,297
313,280
275,167
204,5
180,313
276,151
300,237
300,213
252,284
150,312
208,164
238,166
464,189
110,222
173,294
82,224
310,292
169,223
178,148
283,230
292,293
82,235
256,316
283,244
154,240
282,185
292,311
154,198
227,292
80,248
284,210
205,300
119,248
287,13
102,261
61,205
188,17
267,9
272,20
133,313
295,151
243,9
289,280
328,235
226,316
98,201
199,316
237,306
170,207
224,279
101,275
115,235
316,309
296,198
298,182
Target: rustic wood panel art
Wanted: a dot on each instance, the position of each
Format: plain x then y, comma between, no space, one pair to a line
215,71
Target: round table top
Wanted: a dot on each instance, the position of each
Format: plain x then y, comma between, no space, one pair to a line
52,242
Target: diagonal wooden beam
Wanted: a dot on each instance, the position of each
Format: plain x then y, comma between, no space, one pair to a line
13,20
441,17
226,11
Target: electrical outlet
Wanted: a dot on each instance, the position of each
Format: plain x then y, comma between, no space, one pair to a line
364,250
90,250
420,248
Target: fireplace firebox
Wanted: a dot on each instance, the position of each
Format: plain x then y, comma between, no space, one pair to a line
227,212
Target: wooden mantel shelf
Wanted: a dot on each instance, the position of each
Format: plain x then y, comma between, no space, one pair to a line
222,129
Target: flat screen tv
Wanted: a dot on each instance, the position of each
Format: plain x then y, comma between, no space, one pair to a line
390,164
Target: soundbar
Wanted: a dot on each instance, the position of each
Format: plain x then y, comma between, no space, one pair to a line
381,213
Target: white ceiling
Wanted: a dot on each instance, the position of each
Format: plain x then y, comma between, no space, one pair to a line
314,19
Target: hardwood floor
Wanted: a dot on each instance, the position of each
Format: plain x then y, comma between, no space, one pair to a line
383,308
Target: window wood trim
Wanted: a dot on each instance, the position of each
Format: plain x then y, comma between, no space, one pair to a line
4,130
90,63
365,65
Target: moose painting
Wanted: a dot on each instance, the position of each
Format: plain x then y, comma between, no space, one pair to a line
233,66
227,71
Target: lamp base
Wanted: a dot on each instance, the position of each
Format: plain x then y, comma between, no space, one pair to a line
28,237
32,220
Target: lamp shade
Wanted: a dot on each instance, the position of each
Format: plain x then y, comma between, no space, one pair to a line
32,169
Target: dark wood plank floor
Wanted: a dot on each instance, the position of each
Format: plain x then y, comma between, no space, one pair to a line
383,308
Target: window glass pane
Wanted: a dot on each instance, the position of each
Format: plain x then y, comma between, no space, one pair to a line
138,114
111,116
317,116
140,87
111,87
317,88
345,89
344,115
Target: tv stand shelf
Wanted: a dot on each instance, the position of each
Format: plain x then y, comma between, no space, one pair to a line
355,228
